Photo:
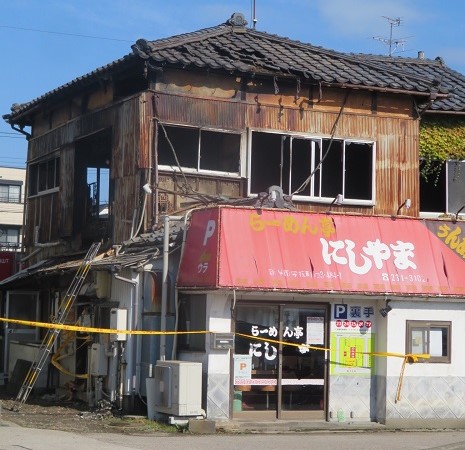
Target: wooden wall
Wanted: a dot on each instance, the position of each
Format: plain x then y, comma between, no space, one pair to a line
230,103
387,119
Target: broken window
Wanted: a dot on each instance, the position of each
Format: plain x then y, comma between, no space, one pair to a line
199,149
441,187
92,185
44,176
312,168
98,183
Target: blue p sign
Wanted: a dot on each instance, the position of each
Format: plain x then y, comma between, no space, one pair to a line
340,311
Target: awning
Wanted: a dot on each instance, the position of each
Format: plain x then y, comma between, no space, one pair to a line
250,249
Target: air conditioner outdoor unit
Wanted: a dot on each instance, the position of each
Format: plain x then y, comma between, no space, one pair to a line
177,388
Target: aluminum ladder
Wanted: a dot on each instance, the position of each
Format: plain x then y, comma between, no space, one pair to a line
52,333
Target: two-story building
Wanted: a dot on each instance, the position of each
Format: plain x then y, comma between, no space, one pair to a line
261,188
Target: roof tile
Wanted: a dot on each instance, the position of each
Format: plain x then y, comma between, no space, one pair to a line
246,50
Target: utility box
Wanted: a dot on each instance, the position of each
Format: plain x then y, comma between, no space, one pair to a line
98,360
177,388
118,321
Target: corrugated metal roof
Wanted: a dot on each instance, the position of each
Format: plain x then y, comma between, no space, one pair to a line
58,265
234,48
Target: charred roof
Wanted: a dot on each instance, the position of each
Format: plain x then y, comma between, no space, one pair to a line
233,48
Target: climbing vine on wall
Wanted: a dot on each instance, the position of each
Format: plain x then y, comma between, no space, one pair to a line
441,139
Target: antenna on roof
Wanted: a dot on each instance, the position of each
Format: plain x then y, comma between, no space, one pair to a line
392,43
254,17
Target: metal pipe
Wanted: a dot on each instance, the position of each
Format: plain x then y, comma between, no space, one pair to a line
130,350
164,289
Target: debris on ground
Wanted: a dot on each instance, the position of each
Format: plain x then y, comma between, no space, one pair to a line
50,411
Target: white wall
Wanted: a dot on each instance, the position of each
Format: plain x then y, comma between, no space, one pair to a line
12,213
403,310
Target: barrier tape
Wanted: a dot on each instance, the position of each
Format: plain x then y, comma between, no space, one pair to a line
410,357
80,329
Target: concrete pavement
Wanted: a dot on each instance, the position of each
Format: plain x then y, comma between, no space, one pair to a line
13,436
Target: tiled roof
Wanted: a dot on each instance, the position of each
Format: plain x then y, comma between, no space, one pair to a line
244,50
450,80
236,49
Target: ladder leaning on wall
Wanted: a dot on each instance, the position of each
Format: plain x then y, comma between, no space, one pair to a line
52,333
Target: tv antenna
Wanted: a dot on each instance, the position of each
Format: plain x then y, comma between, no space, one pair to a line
254,16
392,43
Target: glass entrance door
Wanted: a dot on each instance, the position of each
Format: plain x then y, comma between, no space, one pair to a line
303,368
276,374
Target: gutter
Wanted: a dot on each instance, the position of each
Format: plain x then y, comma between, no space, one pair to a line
385,90
20,130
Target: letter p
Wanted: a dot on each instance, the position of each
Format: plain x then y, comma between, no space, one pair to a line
211,225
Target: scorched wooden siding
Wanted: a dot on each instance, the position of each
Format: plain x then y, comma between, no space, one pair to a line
238,106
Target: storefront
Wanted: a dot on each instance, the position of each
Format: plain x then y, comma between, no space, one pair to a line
287,380
323,309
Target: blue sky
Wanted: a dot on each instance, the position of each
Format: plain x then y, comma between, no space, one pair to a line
47,43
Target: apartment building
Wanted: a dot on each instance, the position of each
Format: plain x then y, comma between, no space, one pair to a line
12,182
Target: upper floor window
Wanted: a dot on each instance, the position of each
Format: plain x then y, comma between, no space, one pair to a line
313,169
10,193
199,149
44,175
441,187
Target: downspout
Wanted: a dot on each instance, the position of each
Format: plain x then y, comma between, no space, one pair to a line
39,248
154,135
20,130
130,350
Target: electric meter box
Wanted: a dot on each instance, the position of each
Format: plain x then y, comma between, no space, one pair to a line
98,360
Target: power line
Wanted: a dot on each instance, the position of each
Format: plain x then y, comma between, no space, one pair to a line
66,34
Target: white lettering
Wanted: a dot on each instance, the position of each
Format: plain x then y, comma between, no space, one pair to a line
211,226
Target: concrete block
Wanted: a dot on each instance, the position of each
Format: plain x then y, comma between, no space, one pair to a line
202,426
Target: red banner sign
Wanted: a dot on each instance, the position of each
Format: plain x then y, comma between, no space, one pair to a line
296,251
7,264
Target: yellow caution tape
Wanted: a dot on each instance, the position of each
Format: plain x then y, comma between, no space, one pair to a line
411,357
57,326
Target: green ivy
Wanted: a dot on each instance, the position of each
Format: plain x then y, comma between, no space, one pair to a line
441,139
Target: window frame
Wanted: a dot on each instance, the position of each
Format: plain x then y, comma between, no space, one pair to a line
39,172
198,169
10,198
426,326
317,152
5,231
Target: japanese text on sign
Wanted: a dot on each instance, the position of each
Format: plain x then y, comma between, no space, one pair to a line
375,252
290,224
452,238
268,351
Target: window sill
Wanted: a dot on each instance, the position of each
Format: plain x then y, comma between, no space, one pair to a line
191,171
47,192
